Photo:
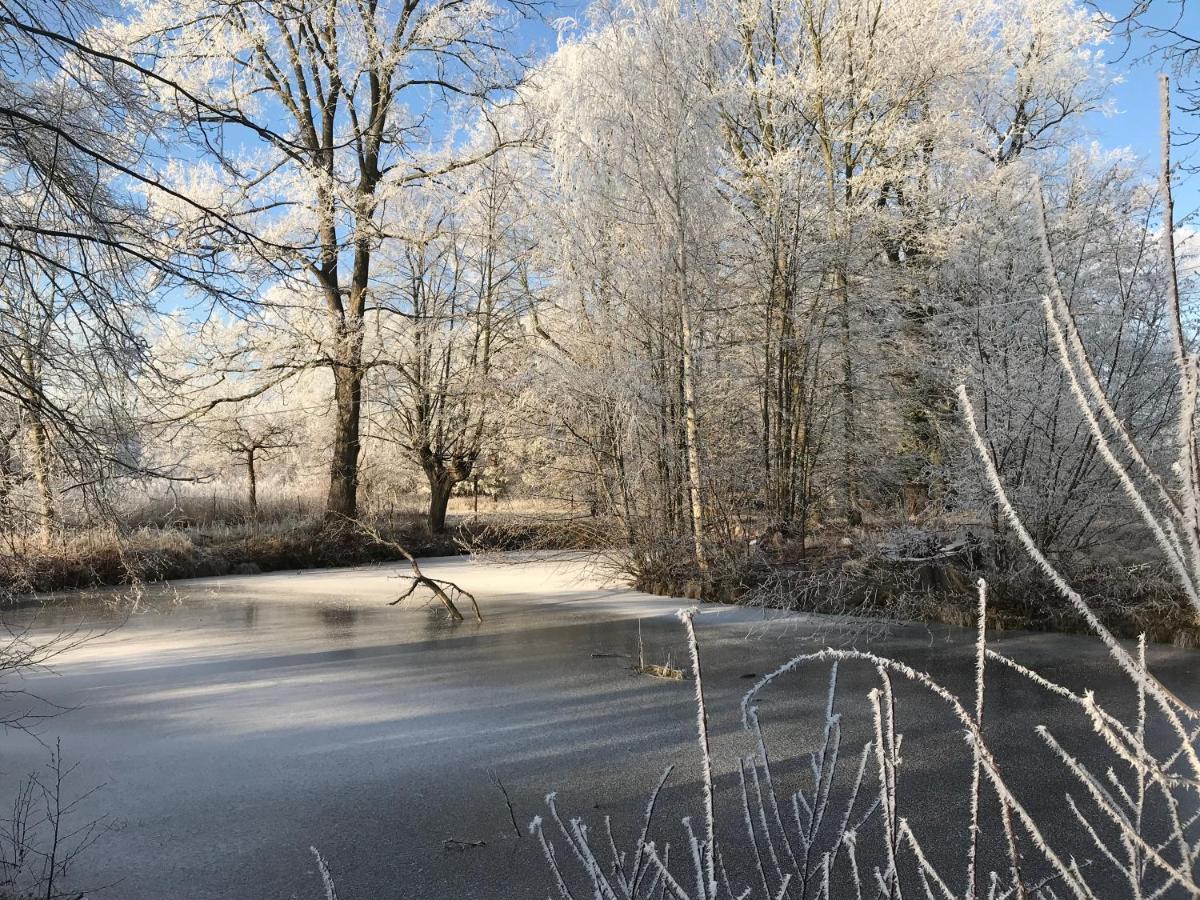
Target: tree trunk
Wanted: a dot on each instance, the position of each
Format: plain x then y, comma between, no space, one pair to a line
9,475
252,484
925,407
687,376
343,470
40,441
692,440
441,485
342,500
849,411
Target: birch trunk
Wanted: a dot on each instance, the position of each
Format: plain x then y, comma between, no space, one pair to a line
692,438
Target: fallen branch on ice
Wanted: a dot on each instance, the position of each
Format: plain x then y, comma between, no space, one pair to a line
441,588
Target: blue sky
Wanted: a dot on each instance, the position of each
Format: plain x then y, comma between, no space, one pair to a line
1135,123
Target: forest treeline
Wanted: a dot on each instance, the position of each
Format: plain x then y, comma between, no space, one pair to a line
695,284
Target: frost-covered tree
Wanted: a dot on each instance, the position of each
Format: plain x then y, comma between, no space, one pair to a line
632,244
747,253
1102,213
218,409
75,249
720,262
859,133
309,119
68,360
455,289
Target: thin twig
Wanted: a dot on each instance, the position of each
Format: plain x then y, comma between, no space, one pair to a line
507,800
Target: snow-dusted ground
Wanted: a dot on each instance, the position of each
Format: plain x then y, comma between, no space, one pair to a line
236,721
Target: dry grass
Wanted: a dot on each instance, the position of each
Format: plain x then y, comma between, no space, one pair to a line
208,509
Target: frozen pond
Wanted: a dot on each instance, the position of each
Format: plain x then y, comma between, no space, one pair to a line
236,721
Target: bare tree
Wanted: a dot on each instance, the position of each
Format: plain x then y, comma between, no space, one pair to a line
334,98
65,370
79,257
1163,34
458,291
251,442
